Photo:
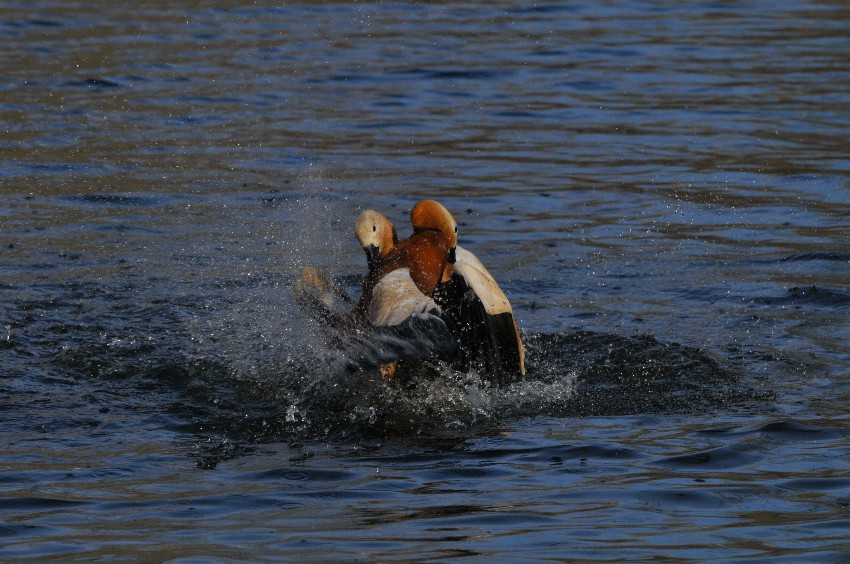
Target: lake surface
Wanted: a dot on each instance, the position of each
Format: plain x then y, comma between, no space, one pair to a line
663,191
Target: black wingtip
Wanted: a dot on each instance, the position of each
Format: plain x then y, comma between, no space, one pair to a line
488,343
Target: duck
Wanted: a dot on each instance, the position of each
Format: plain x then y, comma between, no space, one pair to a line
423,297
478,311
430,273
424,255
398,288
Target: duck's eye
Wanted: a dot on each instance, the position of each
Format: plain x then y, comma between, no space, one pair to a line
455,228
374,228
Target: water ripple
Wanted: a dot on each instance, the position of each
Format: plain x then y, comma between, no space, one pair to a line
660,189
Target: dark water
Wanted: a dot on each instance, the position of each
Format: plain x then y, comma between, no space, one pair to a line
663,191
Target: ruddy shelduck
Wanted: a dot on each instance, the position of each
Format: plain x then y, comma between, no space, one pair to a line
428,273
419,260
481,315
423,297
401,280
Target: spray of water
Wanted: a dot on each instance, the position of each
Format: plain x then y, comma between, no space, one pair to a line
300,383
214,330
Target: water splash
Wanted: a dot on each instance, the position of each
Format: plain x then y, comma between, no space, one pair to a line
227,351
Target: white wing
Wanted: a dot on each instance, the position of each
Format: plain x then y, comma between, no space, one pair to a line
481,282
396,299
405,323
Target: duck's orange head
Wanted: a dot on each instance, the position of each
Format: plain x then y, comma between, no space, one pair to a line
429,214
376,234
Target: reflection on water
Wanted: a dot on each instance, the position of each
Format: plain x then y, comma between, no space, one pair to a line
662,190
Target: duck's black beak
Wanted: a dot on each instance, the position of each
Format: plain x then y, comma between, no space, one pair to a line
373,256
452,255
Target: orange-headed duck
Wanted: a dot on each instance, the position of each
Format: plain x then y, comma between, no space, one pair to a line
427,297
480,312
428,270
